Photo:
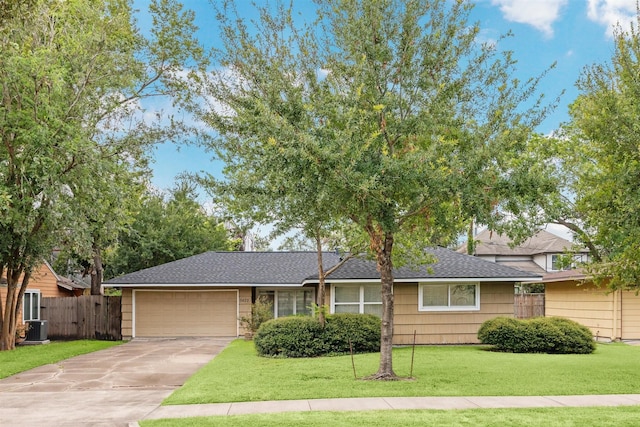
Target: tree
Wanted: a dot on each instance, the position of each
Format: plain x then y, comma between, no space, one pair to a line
605,162
166,230
386,114
73,76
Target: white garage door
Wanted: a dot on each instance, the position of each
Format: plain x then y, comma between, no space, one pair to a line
185,313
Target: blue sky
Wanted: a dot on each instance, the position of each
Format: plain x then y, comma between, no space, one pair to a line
572,33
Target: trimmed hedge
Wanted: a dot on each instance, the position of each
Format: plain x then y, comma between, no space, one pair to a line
554,335
300,336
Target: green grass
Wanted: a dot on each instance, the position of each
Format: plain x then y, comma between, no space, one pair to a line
32,356
238,375
542,417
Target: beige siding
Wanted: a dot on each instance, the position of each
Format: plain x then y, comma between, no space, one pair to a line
630,314
460,327
244,305
127,313
586,304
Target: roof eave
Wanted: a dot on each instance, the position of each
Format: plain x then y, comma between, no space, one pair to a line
433,280
201,285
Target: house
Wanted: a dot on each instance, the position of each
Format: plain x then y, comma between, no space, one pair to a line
204,295
611,315
44,282
539,254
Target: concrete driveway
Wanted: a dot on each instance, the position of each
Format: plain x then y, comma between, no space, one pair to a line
111,387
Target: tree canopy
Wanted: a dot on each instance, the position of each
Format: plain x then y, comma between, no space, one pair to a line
164,230
73,77
605,155
390,115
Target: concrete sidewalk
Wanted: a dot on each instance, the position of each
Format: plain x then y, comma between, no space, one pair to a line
386,403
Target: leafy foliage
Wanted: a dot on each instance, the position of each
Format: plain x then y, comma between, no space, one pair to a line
390,115
538,335
301,336
591,169
73,129
604,130
261,311
166,230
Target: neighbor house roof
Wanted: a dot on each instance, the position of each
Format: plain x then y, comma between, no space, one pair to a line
577,275
492,243
232,268
297,268
71,284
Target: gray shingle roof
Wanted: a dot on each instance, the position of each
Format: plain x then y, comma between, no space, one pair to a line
232,268
294,268
449,265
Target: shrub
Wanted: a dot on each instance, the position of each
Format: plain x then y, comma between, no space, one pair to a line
539,335
362,329
304,336
295,336
501,332
261,311
576,337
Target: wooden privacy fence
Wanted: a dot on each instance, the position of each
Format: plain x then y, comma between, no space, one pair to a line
526,306
84,317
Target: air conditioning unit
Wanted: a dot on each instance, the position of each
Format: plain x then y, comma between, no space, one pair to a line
37,330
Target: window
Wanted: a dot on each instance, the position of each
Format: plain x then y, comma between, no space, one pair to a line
559,262
365,299
449,297
31,305
288,302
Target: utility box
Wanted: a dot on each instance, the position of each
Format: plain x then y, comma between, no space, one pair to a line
37,330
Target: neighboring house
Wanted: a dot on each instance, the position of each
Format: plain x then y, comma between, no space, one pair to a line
611,315
204,295
44,282
539,254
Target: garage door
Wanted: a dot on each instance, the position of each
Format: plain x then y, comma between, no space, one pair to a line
185,313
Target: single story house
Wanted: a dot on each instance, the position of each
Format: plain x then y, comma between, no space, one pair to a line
611,315
204,295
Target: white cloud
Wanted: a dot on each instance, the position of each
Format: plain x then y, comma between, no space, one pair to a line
487,36
540,14
610,13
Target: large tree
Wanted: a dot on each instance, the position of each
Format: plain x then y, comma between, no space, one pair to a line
73,76
604,162
166,230
392,112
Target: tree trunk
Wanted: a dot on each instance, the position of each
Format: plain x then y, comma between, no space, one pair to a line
96,274
383,247
471,243
11,309
321,284
7,335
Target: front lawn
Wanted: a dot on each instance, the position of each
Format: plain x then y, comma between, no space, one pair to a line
624,416
239,375
27,357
